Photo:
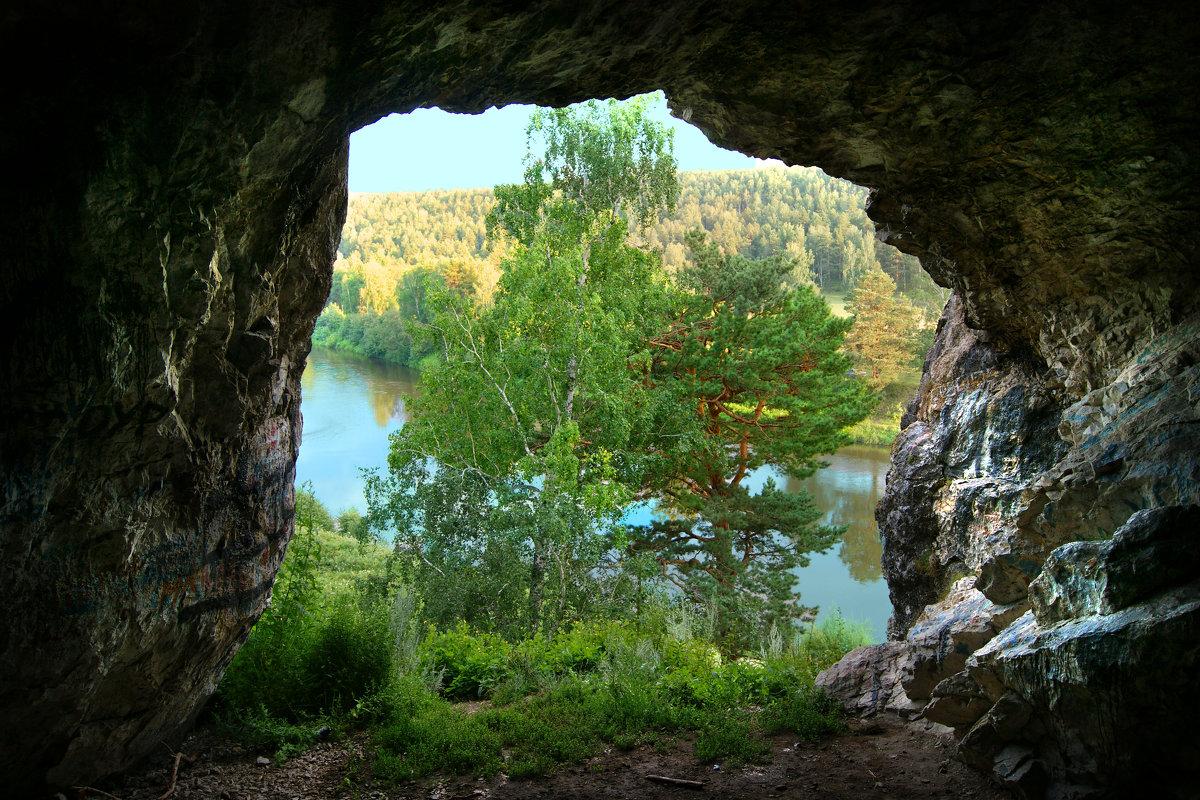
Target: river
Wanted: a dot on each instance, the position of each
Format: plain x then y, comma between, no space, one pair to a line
351,404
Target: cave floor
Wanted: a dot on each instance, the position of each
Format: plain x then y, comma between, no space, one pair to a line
877,759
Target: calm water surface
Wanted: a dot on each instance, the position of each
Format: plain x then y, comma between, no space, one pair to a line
351,405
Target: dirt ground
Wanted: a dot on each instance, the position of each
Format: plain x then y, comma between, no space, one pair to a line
877,759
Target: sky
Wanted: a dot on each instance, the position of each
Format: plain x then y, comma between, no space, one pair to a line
431,149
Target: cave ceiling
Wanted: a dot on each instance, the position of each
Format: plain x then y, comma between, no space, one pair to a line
175,192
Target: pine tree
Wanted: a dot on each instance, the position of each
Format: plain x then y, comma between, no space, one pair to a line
881,339
760,371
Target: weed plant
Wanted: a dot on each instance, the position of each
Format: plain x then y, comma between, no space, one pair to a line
335,653
320,654
602,683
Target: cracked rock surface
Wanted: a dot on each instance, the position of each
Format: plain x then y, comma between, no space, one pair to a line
175,192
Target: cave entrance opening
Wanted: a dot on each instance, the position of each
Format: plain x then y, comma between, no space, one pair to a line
422,221
179,203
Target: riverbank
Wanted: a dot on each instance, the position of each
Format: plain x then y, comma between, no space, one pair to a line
878,430
875,432
351,405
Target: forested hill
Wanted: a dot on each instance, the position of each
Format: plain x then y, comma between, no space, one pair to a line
801,212
394,244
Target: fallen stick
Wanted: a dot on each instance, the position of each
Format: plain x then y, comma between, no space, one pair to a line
175,770
676,781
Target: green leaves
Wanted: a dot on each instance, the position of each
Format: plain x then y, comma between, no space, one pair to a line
532,411
591,381
604,160
758,369
884,331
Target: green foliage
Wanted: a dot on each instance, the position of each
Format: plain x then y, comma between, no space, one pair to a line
323,663
605,683
323,646
730,737
804,711
347,658
582,379
382,336
762,366
885,325
888,341
576,375
816,222
259,730
529,469
832,639
416,228
555,698
881,428
392,243
689,669
311,514
469,664
496,556
435,736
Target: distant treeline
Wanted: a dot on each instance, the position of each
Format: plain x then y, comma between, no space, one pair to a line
392,244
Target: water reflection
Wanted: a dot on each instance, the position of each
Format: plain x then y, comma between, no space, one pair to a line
848,578
350,405
848,490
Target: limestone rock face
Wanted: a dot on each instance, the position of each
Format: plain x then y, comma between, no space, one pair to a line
945,636
174,192
1095,682
1095,533
981,428
867,681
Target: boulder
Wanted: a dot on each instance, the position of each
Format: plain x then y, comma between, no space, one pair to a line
867,681
1090,680
947,633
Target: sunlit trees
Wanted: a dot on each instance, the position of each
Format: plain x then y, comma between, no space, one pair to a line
816,222
378,293
591,380
882,338
533,394
759,376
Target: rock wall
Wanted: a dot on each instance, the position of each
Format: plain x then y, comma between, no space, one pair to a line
1042,564
1080,694
980,430
175,188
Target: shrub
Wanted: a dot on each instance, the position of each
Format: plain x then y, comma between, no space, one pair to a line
824,644
807,712
261,731
729,737
438,737
349,657
472,664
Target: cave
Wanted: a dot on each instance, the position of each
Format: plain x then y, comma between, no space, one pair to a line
175,193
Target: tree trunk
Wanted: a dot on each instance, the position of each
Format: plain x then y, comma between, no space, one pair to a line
537,580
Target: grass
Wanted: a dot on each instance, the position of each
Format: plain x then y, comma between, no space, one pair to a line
837,303
875,431
627,689
337,650
882,427
346,565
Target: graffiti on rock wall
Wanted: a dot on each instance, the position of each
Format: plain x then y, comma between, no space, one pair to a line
221,566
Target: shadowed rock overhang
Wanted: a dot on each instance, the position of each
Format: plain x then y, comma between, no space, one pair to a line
175,192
